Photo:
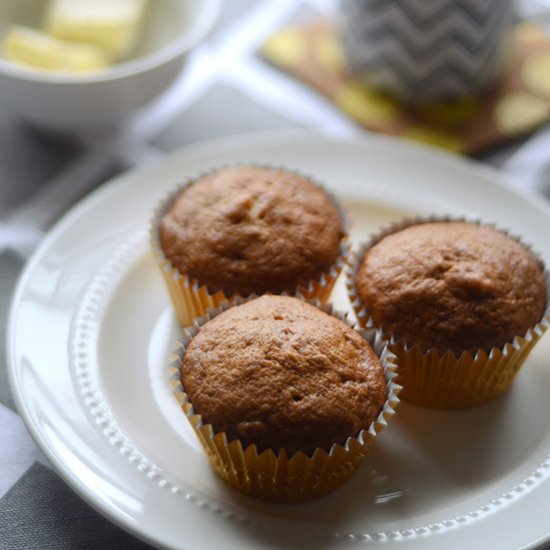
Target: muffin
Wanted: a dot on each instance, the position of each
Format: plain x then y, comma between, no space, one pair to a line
284,397
245,230
462,304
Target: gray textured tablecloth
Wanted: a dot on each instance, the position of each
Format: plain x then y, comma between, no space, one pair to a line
37,509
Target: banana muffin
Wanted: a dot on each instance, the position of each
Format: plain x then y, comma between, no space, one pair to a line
245,230
453,286
462,305
282,374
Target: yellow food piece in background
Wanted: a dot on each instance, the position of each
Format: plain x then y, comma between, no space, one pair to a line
286,48
112,25
38,50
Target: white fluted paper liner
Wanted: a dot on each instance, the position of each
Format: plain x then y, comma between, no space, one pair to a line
276,476
192,299
447,381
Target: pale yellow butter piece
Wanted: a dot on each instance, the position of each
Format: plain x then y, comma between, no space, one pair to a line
112,25
35,49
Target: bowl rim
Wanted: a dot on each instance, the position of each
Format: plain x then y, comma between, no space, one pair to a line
204,21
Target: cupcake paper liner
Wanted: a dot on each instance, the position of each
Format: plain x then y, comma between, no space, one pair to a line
447,381
192,299
278,476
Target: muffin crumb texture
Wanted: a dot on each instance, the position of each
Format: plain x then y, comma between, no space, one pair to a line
452,286
280,373
249,229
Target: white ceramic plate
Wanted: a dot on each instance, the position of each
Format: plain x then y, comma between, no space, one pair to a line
91,331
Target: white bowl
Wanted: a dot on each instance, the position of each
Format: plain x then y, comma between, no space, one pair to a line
71,102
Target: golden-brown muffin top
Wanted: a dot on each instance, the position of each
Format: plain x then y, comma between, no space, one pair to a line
453,286
252,230
280,373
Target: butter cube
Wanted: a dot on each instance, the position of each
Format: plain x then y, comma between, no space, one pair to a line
38,50
112,25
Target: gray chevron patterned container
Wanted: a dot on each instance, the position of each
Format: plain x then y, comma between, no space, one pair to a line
427,50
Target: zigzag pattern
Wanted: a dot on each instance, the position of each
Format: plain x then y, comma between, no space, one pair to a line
426,13
437,48
397,22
